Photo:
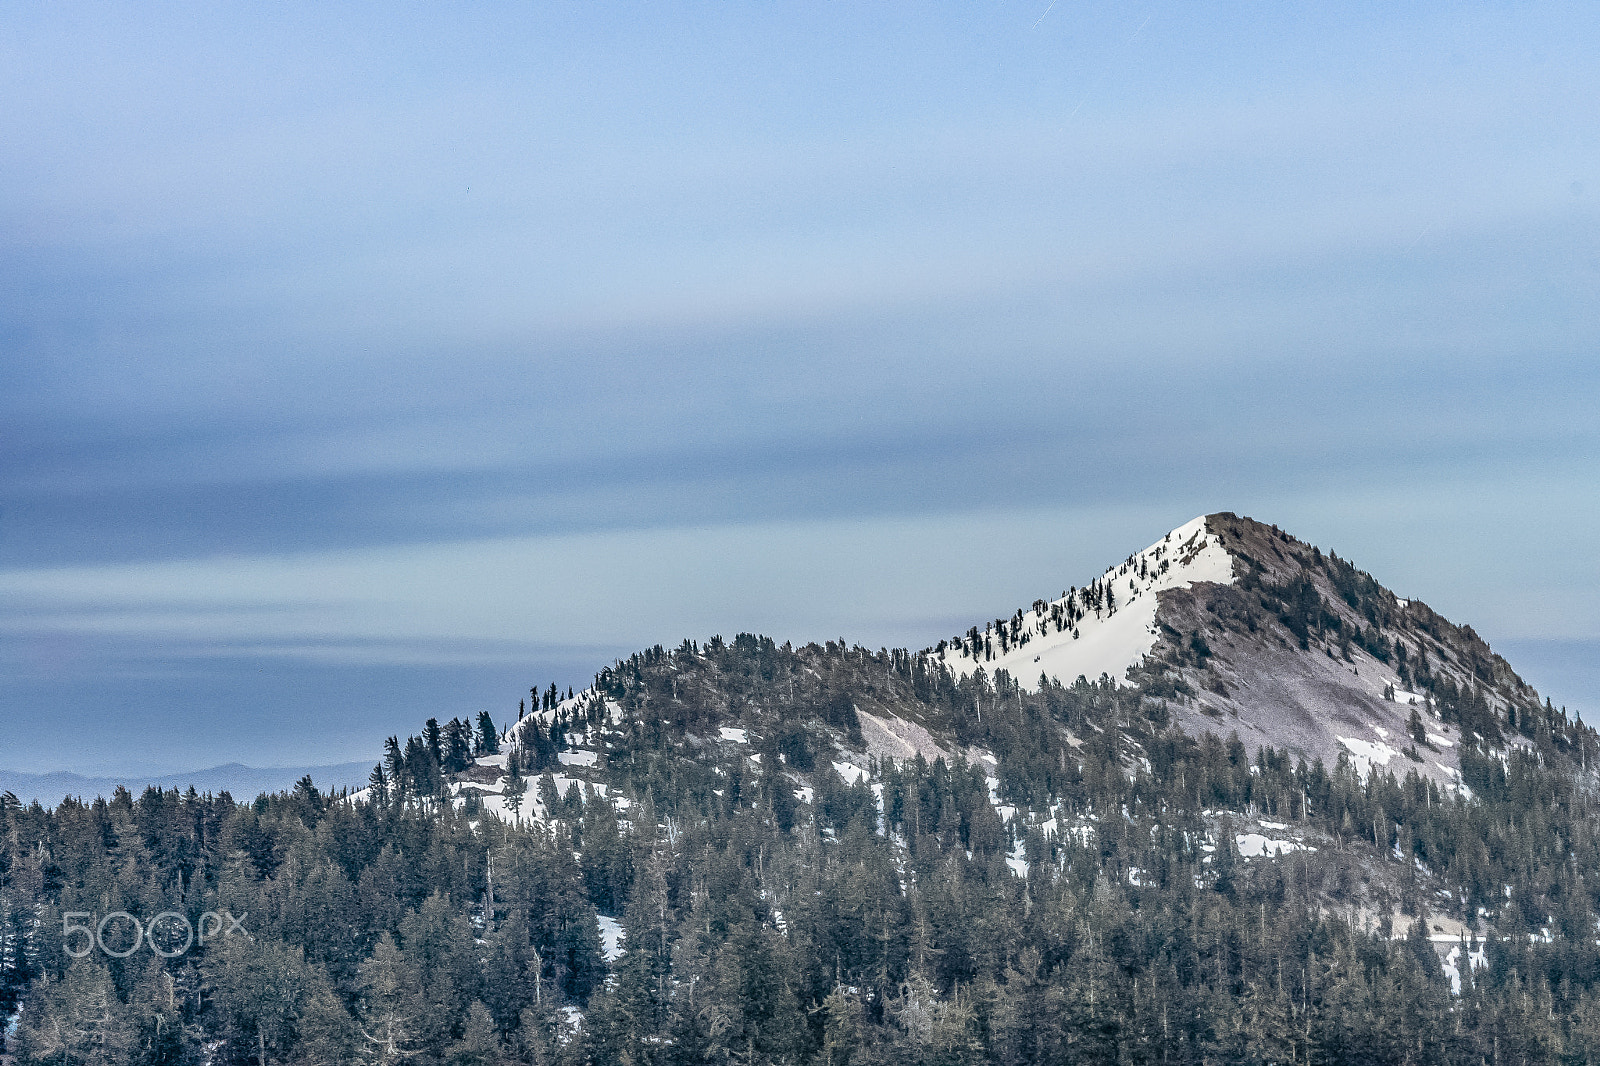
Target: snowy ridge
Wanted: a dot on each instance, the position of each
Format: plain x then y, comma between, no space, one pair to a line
579,756
569,706
1105,627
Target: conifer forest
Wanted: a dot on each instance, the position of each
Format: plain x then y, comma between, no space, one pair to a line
721,882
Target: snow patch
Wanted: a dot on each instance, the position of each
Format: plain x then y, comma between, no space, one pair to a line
578,758
735,736
895,738
1017,859
1255,846
1476,959
851,774
532,810
1364,754
611,937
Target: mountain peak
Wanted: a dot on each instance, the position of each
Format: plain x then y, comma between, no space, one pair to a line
1238,626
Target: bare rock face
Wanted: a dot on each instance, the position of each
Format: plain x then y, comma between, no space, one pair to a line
1303,652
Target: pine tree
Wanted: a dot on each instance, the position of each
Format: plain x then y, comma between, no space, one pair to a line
261,989
479,1044
513,786
549,798
458,741
378,783
305,790
841,1028
391,1006
328,1035
433,739
488,737
77,1018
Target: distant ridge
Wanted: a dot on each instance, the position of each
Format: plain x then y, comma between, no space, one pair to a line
242,781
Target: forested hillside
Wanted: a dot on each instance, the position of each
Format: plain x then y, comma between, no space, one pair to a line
750,852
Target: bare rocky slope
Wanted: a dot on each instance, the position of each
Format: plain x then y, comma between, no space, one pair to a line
1307,653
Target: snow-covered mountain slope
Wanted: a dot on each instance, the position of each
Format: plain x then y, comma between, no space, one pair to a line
1105,627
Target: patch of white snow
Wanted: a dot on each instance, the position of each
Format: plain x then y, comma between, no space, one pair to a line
1451,965
611,938
1364,754
851,774
1255,846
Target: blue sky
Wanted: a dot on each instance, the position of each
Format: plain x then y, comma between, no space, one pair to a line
362,363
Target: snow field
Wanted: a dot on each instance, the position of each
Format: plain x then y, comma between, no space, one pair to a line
1107,640
531,810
